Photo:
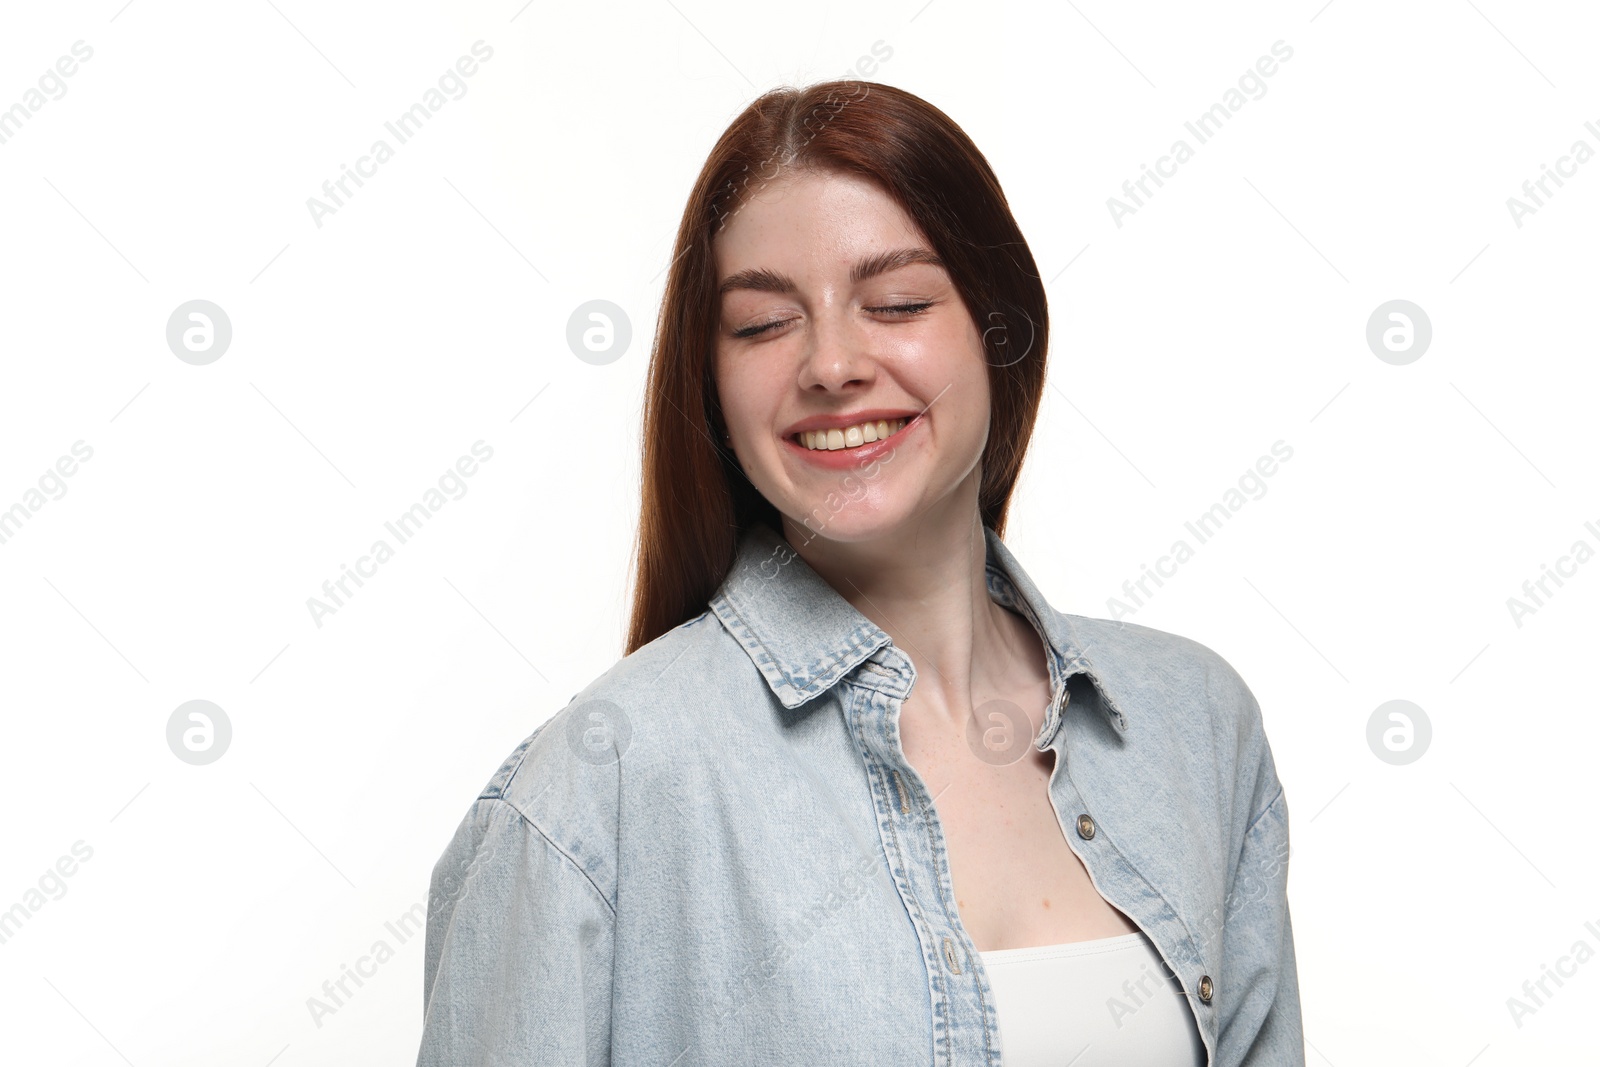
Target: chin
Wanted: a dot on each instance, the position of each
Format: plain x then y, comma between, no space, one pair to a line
857,521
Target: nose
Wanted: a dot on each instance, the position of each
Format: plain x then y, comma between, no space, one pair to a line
836,355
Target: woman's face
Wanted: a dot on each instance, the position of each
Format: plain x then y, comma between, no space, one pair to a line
836,313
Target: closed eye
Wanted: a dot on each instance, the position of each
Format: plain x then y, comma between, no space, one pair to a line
906,310
751,331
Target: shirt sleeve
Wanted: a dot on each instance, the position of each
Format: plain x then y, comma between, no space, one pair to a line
1262,1025
518,956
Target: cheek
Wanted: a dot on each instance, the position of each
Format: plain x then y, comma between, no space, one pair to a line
951,361
740,391
968,372
725,377
760,373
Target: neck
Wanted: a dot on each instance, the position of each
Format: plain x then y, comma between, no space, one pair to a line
925,586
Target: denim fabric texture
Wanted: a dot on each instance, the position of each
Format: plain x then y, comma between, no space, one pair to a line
718,854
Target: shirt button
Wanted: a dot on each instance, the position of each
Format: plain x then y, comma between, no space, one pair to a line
950,957
1085,827
1205,988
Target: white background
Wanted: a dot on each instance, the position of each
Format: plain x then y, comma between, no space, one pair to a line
429,312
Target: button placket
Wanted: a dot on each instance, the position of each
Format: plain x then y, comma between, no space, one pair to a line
1112,873
947,947
1087,830
961,1001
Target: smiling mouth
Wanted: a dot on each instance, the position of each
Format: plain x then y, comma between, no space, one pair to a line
847,437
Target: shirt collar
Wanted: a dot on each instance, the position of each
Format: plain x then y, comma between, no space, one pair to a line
804,636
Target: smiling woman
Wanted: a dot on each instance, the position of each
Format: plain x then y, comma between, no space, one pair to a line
856,792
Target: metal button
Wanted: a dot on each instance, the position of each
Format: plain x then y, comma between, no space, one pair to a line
1205,988
1085,827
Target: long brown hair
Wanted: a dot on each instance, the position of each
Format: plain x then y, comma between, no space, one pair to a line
696,501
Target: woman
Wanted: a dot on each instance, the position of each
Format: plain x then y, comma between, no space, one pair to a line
857,794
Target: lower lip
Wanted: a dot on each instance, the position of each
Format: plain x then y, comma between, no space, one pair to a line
843,459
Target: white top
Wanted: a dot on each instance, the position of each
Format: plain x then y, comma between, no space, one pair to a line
1109,1002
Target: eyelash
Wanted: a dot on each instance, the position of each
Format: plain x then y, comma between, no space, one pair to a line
906,309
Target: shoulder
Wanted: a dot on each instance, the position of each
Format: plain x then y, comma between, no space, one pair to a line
565,780
1177,694
595,728
1191,718
1143,658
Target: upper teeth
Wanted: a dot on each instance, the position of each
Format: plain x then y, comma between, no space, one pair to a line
851,436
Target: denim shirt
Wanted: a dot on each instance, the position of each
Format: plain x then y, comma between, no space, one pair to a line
718,853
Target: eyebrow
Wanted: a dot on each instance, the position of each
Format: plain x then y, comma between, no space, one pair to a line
761,280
